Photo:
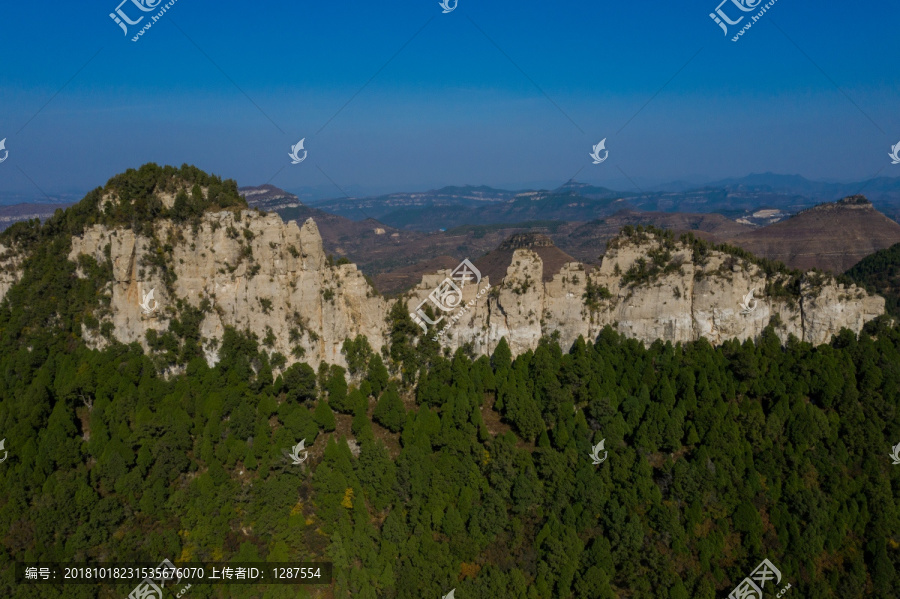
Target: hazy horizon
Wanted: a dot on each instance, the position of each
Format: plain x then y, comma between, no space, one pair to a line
396,98
324,192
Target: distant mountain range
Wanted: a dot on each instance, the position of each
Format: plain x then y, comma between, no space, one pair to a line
775,196
758,199
803,186
392,208
393,237
579,219
27,211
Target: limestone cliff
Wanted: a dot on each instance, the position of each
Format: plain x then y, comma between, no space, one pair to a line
246,270
10,268
651,288
254,272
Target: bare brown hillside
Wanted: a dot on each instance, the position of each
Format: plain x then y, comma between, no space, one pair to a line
832,236
405,277
495,264
587,241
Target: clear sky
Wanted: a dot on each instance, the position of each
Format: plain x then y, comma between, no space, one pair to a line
509,94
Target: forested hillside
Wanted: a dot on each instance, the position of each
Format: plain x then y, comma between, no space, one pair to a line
880,272
461,473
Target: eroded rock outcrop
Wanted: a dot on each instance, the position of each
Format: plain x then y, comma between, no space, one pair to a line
254,272
10,268
650,288
245,270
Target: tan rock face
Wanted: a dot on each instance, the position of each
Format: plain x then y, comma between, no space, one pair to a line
256,272
10,269
723,297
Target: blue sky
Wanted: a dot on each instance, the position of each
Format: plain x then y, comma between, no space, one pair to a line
230,86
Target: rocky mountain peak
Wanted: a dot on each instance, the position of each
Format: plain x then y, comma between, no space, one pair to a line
854,202
268,197
495,263
526,241
250,271
810,238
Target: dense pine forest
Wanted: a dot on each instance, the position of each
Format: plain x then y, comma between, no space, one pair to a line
427,471
880,272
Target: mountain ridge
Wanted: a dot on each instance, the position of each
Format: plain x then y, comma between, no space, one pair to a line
807,239
216,267
399,249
